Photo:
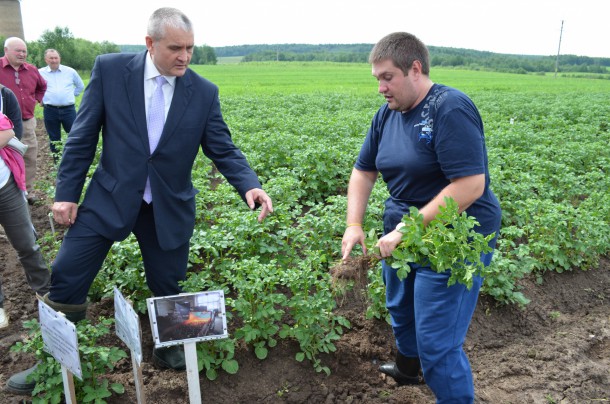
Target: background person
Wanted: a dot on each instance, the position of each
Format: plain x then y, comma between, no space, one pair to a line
139,187
63,86
10,108
14,213
29,87
427,142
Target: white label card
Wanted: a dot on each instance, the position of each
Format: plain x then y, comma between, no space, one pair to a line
60,339
127,324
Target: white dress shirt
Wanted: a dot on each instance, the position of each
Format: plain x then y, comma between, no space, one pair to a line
150,72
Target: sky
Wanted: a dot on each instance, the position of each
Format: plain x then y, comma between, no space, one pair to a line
532,27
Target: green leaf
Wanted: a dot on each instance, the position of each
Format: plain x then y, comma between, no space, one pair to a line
261,352
211,374
448,242
230,366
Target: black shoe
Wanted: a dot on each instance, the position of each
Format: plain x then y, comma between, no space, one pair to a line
18,384
171,357
391,369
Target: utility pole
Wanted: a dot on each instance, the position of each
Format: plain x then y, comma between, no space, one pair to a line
558,50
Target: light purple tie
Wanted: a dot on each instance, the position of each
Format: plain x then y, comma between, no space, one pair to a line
156,120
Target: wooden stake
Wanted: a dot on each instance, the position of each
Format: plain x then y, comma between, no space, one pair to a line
137,378
68,379
192,372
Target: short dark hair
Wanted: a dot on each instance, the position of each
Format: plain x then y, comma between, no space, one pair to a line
402,49
167,17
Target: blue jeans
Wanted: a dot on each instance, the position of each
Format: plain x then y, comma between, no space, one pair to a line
54,119
430,321
17,224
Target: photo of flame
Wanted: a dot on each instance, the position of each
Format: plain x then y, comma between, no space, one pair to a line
198,318
187,317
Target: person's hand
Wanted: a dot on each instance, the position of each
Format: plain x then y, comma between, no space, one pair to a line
257,195
388,243
65,213
353,235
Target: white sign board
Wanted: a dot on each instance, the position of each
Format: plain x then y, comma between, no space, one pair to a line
188,317
127,325
59,337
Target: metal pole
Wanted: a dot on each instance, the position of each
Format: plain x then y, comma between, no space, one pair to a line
558,50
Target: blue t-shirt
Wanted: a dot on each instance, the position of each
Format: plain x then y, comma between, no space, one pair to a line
420,151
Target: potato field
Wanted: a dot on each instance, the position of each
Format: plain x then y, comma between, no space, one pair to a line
293,336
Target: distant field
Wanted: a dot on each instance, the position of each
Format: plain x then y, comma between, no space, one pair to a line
229,60
308,77
288,77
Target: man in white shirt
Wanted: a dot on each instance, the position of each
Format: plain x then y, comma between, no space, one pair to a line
63,86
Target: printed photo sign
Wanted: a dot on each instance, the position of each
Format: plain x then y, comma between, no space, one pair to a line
189,317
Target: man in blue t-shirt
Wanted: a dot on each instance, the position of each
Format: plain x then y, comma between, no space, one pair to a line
428,143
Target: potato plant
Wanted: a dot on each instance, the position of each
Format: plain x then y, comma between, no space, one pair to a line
301,128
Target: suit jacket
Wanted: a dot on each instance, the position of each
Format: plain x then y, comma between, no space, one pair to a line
113,102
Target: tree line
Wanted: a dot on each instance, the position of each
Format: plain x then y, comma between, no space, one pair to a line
439,56
202,55
80,54
75,52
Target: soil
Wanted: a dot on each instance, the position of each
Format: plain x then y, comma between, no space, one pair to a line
555,350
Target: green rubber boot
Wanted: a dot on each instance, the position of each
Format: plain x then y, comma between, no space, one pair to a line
170,357
19,382
73,312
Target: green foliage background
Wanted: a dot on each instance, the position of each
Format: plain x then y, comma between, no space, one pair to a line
80,54
301,126
439,57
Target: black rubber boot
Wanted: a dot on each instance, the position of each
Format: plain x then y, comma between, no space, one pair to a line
18,383
405,371
408,366
171,357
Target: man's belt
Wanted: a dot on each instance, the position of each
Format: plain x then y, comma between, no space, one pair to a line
58,106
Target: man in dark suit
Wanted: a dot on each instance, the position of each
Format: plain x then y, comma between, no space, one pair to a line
139,187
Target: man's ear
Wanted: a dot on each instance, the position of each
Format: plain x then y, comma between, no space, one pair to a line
416,67
149,42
